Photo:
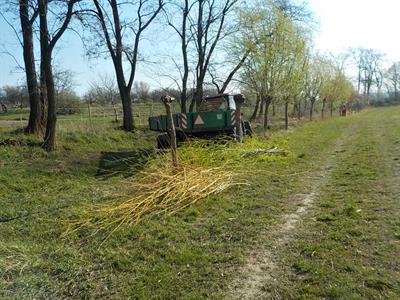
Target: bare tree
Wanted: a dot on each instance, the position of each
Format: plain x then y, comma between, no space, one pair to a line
208,28
314,82
104,91
201,25
113,29
368,62
47,44
28,13
222,84
182,31
393,79
141,90
16,96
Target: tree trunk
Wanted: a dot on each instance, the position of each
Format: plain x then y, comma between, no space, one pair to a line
261,112
254,115
267,103
185,57
305,107
238,125
115,113
30,70
125,94
192,103
50,135
311,108
198,96
127,123
43,96
323,108
183,97
90,115
273,109
286,116
299,110
331,107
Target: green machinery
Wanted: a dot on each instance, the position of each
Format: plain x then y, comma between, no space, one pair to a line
216,115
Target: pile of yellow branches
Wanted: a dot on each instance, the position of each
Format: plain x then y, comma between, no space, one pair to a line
160,189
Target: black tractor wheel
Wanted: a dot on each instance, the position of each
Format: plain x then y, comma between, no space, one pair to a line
180,136
247,128
163,141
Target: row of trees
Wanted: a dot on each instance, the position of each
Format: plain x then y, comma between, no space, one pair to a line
282,68
202,25
263,48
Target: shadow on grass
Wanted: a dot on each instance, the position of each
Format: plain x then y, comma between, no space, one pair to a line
125,163
18,138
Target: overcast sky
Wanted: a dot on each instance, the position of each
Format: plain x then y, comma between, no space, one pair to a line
342,24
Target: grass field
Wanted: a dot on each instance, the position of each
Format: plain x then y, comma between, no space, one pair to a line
322,222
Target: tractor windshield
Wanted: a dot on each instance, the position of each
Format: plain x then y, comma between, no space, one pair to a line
213,104
232,103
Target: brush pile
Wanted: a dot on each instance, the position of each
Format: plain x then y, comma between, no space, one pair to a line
160,188
167,191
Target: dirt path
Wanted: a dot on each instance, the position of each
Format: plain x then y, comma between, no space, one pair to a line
261,270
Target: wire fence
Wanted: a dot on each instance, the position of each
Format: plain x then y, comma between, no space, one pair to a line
95,118
88,117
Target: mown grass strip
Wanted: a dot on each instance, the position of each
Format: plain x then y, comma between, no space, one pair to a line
349,250
192,254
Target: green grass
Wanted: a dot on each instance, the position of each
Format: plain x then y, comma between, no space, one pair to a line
193,254
349,249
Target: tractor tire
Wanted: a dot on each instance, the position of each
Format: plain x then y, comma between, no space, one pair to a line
163,141
180,136
247,128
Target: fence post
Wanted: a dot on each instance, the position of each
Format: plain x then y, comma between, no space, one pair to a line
90,115
167,100
239,99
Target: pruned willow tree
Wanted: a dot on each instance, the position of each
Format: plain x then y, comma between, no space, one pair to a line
294,73
276,61
336,88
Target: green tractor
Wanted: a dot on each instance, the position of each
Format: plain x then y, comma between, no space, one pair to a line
216,115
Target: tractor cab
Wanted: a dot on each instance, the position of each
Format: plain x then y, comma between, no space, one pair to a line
220,102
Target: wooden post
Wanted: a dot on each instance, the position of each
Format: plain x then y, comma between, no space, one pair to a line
151,107
286,114
90,115
115,109
167,100
239,100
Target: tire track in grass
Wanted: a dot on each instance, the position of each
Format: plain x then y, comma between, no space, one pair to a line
262,267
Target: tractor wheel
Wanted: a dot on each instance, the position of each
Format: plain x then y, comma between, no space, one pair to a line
180,136
163,141
247,128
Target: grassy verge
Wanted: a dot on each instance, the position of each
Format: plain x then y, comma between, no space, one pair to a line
349,248
192,254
